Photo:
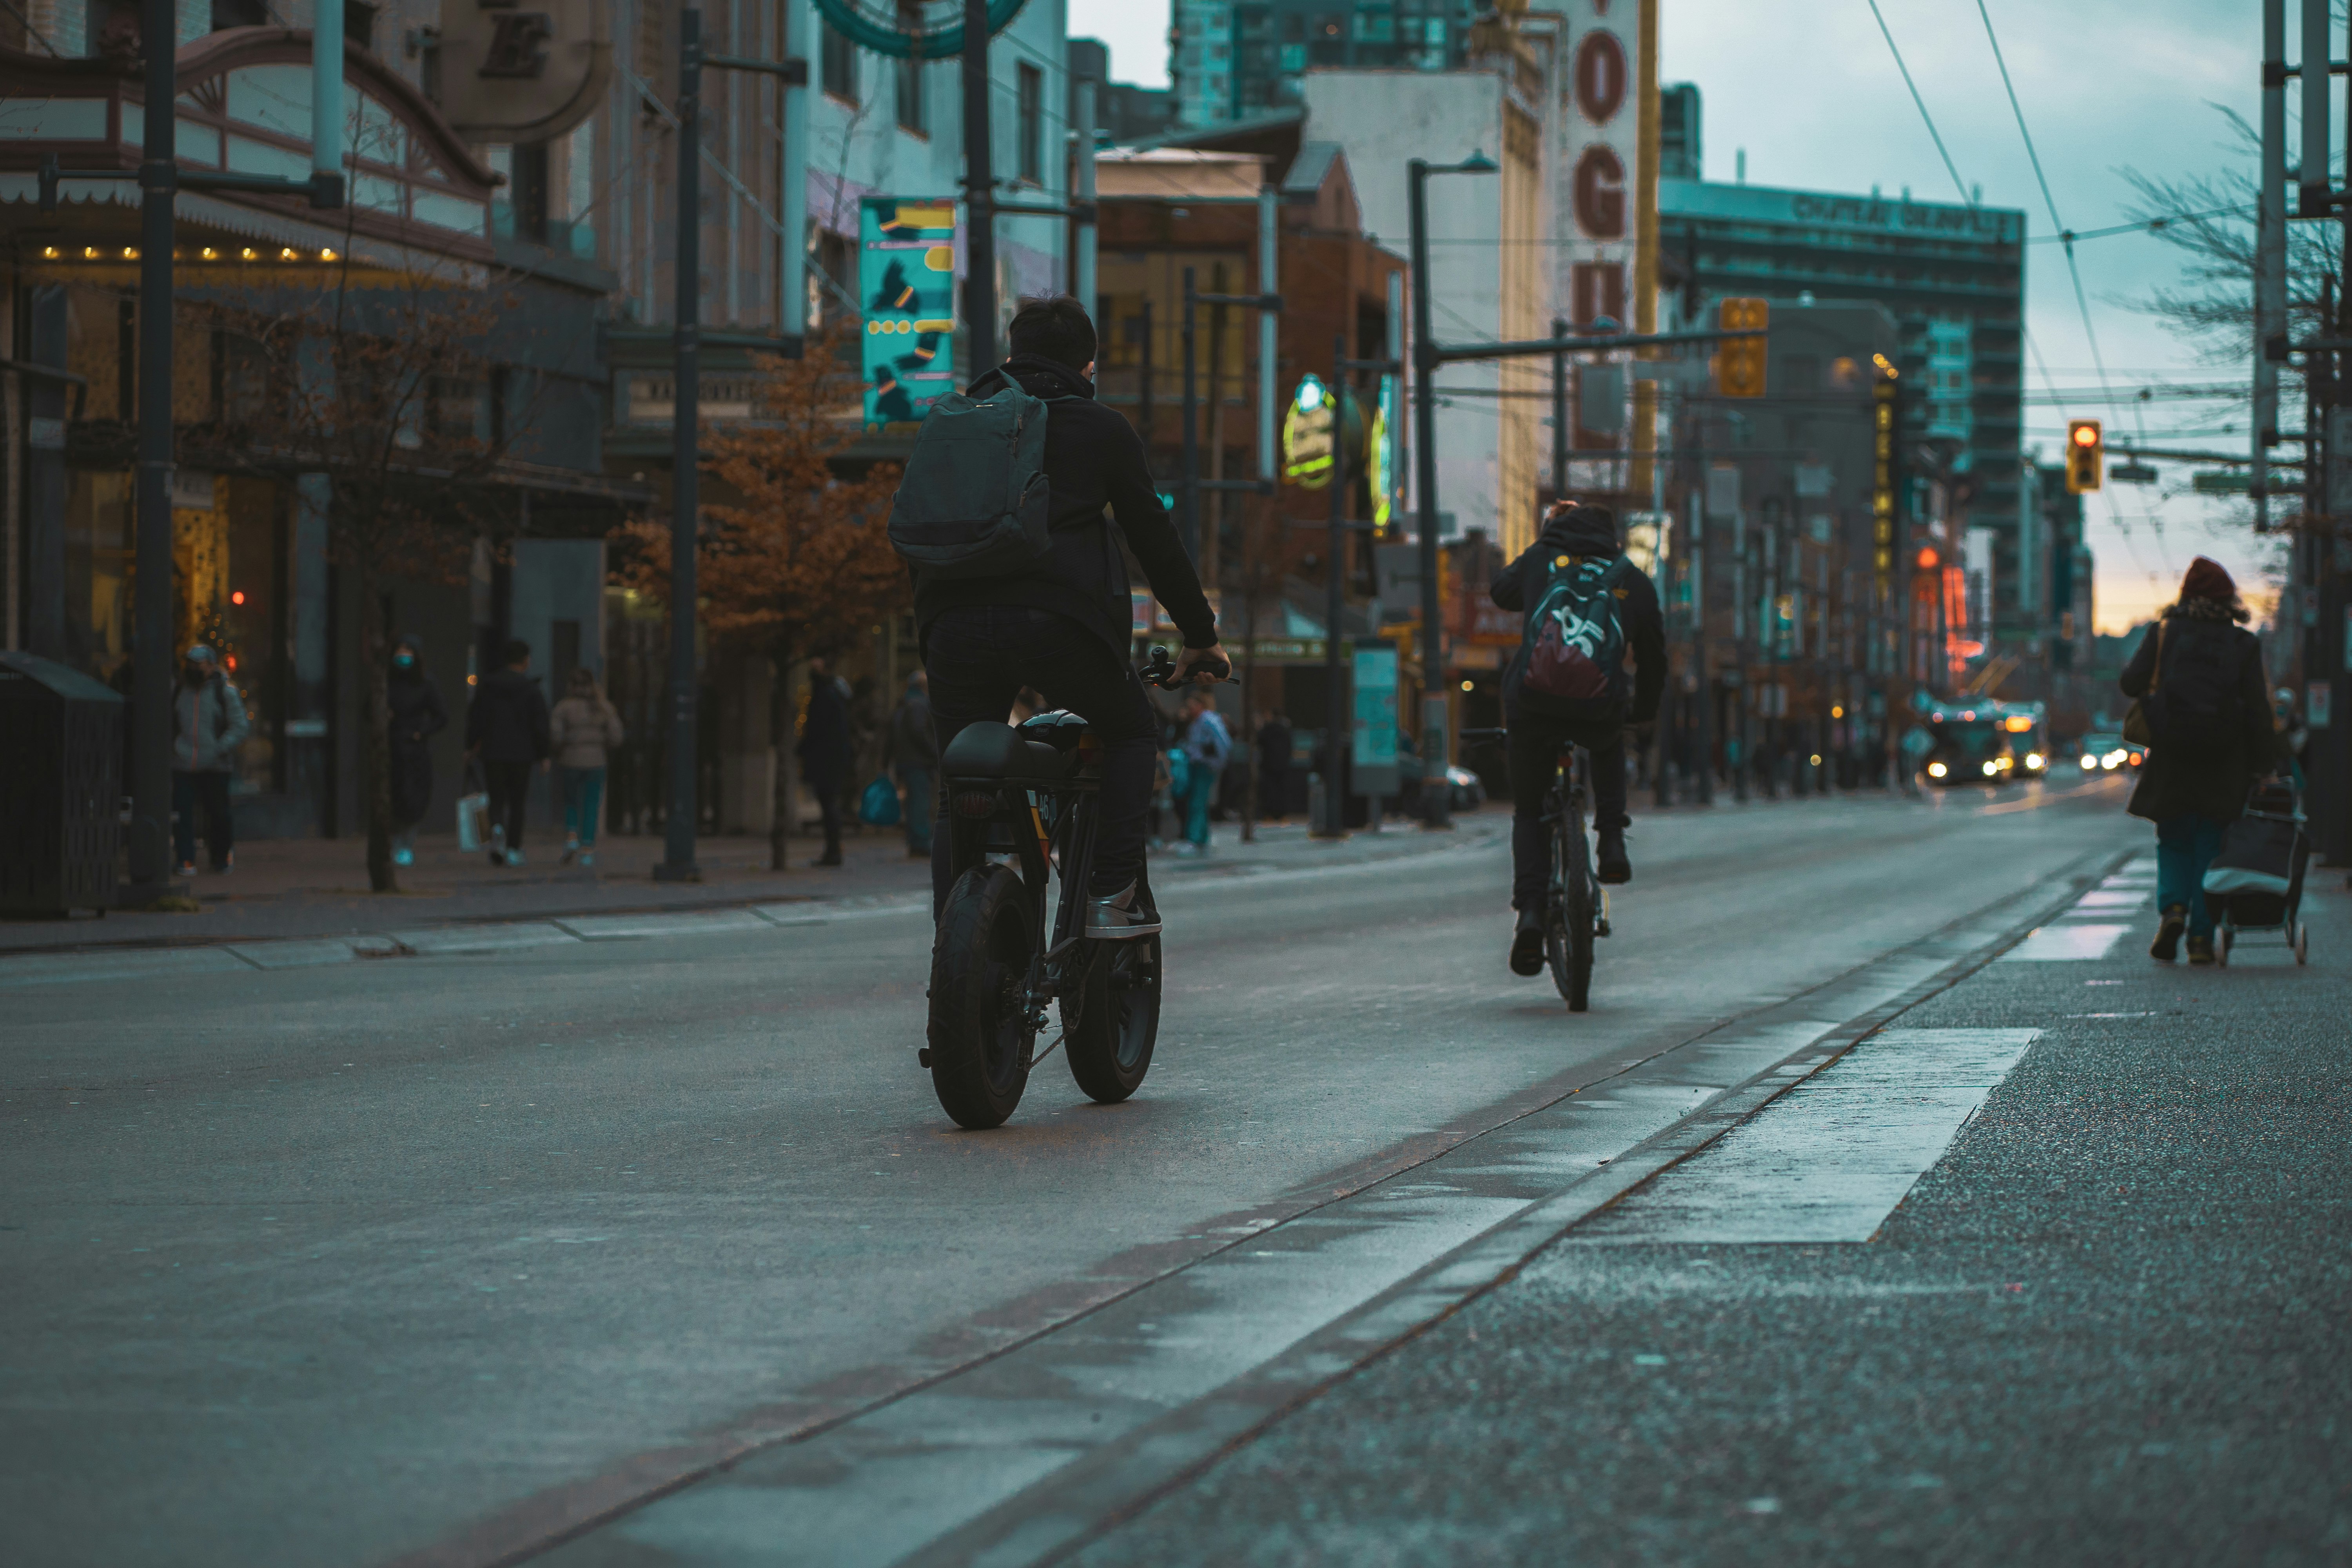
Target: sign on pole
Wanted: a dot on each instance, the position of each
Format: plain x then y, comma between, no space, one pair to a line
906,281
1373,754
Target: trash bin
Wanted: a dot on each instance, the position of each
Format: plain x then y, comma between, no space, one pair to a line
60,788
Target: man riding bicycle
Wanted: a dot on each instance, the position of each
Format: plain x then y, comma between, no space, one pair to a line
1588,607
1061,625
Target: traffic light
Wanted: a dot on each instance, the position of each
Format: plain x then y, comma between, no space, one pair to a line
2084,468
1739,362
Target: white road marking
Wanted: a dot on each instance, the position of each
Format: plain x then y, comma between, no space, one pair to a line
2065,943
1831,1160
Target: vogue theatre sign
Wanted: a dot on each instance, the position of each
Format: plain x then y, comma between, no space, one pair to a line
523,70
1600,133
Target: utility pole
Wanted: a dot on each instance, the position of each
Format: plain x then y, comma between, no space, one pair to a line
1337,737
678,864
1558,416
979,194
1083,201
680,823
1188,520
159,181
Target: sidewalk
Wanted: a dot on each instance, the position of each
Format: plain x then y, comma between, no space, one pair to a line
312,894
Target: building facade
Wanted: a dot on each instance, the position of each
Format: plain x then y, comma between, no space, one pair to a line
1231,60
1954,278
258,570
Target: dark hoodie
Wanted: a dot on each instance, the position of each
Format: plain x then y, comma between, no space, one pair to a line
1590,531
417,715
508,718
1093,458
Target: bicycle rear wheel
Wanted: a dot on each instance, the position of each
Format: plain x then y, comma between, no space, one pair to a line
1568,942
980,972
1110,1026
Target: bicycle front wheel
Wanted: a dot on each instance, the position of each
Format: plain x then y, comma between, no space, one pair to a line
1110,1026
979,1040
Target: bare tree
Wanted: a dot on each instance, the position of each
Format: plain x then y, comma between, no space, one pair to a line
380,386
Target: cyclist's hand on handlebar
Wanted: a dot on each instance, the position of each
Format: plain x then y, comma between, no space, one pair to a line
1204,665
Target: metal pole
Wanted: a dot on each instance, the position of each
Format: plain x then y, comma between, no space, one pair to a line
1084,283
1336,736
1558,415
979,194
1436,808
1269,351
1189,497
685,455
2270,257
152,656
1143,389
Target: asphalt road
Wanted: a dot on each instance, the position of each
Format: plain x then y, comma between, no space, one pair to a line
456,1255
2109,1326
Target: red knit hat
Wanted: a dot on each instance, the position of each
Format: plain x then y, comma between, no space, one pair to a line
2208,580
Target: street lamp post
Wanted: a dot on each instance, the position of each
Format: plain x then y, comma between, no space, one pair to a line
1437,808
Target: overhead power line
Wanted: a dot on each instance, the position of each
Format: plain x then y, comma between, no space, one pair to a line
1959,184
2073,268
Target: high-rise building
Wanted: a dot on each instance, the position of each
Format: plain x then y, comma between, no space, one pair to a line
1954,278
1237,59
1678,148
1124,112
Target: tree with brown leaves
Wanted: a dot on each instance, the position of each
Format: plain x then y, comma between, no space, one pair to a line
799,563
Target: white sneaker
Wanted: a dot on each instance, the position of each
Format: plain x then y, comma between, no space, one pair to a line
1117,919
514,857
1188,847
403,856
587,856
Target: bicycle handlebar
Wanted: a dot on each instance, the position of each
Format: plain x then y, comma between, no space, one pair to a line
1160,671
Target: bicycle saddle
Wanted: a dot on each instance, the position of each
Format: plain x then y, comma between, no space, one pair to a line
992,750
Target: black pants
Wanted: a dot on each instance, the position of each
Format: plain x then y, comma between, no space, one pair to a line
509,787
980,659
826,785
209,791
1535,748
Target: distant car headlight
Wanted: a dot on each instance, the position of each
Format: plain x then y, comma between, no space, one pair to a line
2090,764
1934,770
2032,758
1990,770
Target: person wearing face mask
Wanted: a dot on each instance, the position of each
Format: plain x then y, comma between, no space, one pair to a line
208,724
417,715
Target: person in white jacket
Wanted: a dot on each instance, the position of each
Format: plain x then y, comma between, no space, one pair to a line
208,724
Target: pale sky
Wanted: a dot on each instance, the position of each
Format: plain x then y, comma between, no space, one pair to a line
1812,93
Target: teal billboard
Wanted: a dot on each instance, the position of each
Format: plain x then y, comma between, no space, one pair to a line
905,280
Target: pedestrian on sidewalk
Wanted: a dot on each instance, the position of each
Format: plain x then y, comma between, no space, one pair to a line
912,752
507,731
1275,742
1208,746
2197,676
417,715
583,730
824,750
208,724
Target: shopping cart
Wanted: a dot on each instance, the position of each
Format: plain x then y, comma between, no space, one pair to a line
2255,882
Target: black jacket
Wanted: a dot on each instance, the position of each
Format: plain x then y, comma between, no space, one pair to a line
1588,531
2211,782
1093,458
417,715
823,748
508,718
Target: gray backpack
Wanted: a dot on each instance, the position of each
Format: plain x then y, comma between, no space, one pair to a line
974,498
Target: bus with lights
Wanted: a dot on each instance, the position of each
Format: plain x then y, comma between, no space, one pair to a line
1981,742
